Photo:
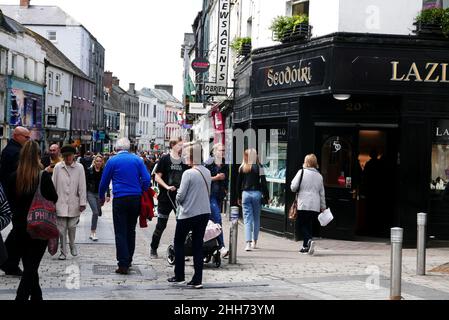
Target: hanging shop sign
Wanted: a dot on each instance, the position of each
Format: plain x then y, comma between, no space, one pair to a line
200,65
219,87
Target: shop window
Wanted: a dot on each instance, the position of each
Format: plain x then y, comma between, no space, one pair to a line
336,162
274,159
440,166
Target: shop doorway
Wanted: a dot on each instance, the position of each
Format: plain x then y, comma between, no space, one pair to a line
359,168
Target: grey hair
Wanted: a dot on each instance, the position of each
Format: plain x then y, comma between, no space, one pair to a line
123,144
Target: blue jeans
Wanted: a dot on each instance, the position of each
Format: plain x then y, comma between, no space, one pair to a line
125,212
251,203
215,216
94,203
197,225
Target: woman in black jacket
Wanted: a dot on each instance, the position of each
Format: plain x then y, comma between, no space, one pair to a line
93,178
252,191
22,186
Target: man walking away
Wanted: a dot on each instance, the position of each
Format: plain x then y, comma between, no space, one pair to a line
129,179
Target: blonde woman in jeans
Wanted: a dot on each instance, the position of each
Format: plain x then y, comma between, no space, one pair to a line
252,190
93,178
311,200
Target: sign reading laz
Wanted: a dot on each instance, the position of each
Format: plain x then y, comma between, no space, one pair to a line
441,131
295,74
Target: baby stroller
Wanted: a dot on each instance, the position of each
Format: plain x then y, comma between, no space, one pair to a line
211,249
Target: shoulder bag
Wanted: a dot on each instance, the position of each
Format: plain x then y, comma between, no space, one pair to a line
293,212
41,219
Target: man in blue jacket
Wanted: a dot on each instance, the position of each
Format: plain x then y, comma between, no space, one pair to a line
129,179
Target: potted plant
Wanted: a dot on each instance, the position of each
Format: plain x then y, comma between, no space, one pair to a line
288,29
242,46
433,22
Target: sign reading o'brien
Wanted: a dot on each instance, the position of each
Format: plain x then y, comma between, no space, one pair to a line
302,73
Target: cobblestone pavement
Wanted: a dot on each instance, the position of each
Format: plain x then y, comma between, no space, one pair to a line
339,270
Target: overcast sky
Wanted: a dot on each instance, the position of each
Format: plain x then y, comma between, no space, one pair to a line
142,38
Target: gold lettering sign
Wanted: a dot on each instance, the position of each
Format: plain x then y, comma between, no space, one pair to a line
289,75
430,72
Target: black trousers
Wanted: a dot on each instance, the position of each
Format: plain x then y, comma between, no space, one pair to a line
31,252
163,211
305,224
197,225
13,250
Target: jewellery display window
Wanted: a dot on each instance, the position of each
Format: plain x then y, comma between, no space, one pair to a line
440,167
275,172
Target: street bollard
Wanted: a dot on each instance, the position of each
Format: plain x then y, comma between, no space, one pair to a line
421,245
234,218
396,263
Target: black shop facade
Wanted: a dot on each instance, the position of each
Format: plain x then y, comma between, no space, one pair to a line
375,111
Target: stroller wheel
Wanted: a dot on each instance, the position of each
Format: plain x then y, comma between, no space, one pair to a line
217,259
171,255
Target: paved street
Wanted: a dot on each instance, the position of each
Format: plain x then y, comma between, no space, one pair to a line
338,270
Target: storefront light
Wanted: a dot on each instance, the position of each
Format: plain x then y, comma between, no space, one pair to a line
342,97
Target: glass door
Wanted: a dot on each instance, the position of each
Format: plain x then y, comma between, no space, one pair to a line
337,152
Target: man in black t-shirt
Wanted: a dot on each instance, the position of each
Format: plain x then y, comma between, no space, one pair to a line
168,175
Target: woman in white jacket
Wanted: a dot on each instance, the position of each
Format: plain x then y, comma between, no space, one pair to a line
70,183
311,199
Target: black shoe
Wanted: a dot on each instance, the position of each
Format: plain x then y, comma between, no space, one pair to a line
176,280
195,285
122,270
13,272
304,250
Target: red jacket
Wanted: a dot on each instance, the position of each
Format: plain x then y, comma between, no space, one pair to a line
146,207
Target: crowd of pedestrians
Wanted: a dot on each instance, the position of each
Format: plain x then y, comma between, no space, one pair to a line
186,184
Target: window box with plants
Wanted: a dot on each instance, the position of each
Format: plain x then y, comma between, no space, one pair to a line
433,23
290,29
242,46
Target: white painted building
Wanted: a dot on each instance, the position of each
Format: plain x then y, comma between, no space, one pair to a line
23,69
71,38
156,116
145,125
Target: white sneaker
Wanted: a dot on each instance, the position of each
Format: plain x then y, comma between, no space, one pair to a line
248,246
254,245
93,237
311,247
224,252
74,251
62,256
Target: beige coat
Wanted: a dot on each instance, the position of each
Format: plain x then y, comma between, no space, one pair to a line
70,184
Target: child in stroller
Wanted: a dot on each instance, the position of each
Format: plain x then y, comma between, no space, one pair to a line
211,249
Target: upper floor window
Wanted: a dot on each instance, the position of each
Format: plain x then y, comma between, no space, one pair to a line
50,82
14,64
51,35
58,83
298,7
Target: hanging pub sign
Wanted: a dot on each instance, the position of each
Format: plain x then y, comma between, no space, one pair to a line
294,74
219,87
